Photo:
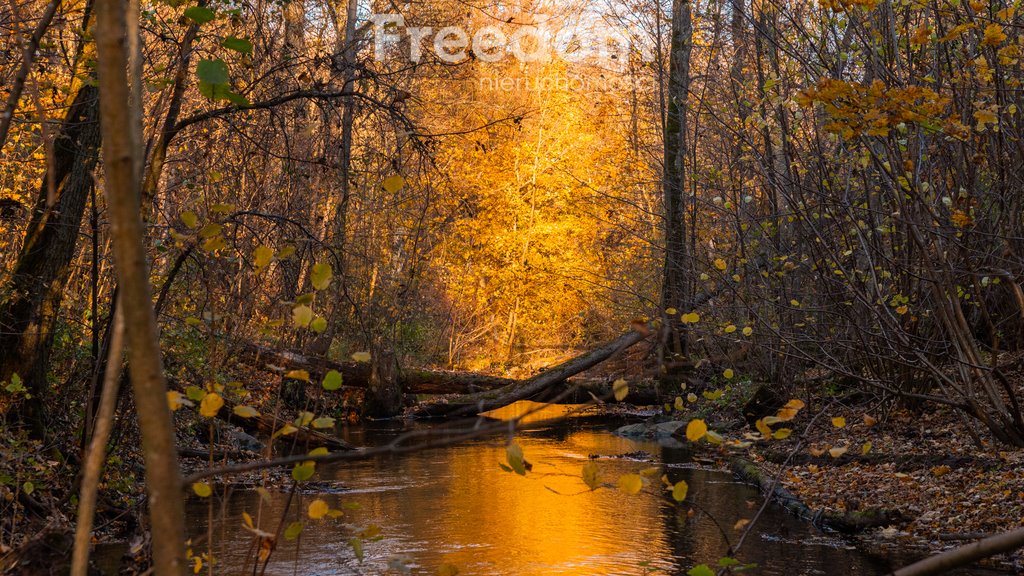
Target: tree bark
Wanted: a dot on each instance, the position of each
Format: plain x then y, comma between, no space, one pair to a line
122,149
942,563
38,281
674,278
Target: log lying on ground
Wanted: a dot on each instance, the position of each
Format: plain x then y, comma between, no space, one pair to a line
521,390
848,522
266,425
357,374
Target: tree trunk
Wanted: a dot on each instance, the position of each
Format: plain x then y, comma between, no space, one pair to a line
674,285
383,396
37,284
122,150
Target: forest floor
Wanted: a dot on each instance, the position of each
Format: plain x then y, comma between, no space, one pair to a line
950,479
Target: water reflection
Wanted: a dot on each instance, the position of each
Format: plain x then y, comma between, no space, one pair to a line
456,506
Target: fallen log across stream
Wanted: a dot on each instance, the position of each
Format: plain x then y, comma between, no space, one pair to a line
357,374
469,404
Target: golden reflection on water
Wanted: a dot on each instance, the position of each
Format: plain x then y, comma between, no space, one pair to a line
456,506
530,412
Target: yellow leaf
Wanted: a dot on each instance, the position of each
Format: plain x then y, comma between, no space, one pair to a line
994,35
202,489
298,375
679,491
247,519
690,318
795,404
691,397
262,256
740,524
679,404
302,315
782,433
630,483
210,230
763,429
720,264
772,420
245,411
748,331
394,183
838,451
713,437
210,405
839,422
176,400
317,509
730,328
361,356
865,448
590,475
712,394
728,374
621,389
320,276
696,429
671,311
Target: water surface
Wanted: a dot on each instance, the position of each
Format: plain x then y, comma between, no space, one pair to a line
455,506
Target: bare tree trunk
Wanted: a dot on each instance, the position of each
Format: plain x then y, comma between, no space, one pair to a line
122,150
37,284
97,454
674,285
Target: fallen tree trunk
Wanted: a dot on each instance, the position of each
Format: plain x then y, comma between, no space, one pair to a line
964,555
521,390
268,425
848,522
357,374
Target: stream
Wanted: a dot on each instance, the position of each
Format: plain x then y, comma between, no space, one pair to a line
455,507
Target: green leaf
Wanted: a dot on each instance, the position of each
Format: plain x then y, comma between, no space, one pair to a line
28,487
357,547
262,256
323,422
200,14
700,570
213,71
293,530
189,218
727,561
318,325
304,471
321,276
332,380
514,453
591,475
237,44
195,393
